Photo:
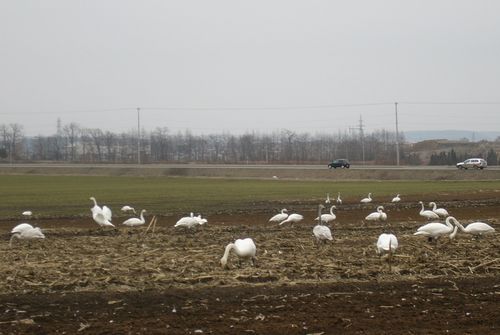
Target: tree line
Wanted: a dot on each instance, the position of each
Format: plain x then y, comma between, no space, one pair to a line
451,157
73,143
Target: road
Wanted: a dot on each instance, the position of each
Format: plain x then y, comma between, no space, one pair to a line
232,166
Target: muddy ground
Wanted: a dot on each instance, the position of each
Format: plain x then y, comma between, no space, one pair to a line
84,280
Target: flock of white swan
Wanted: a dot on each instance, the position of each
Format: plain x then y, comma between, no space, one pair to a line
387,244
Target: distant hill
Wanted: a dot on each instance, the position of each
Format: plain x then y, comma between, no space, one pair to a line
423,135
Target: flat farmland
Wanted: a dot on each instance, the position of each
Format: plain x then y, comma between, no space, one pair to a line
83,279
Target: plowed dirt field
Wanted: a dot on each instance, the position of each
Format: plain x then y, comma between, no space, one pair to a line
81,279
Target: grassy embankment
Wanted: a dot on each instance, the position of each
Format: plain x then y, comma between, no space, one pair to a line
68,196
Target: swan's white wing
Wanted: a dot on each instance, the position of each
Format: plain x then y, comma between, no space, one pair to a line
107,212
32,233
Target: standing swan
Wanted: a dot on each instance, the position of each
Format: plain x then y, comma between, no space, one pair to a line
243,248
367,199
387,244
322,233
327,217
132,222
27,234
439,211
376,216
102,216
293,218
396,198
429,215
339,201
327,201
434,230
474,228
280,217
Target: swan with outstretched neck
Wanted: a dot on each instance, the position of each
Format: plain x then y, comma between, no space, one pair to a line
474,228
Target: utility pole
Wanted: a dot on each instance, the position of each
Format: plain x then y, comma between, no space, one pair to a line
361,135
397,134
138,136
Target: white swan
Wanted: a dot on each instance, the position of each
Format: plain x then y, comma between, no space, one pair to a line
293,218
104,210
21,227
102,216
243,248
27,234
439,211
327,201
429,215
27,213
280,217
339,200
474,228
387,244
328,217
396,199
321,232
375,216
434,230
132,222
367,199
127,208
190,221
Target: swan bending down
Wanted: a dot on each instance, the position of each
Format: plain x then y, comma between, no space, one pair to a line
439,211
293,218
321,232
327,217
367,199
396,199
280,216
27,234
243,248
190,221
387,244
27,213
132,222
376,216
127,208
102,216
429,215
474,228
434,230
21,227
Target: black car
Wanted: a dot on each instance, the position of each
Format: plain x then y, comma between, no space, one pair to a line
341,163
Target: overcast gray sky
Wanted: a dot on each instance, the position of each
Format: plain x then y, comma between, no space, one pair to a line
237,66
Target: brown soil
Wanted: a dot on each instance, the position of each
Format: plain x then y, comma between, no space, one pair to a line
84,280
